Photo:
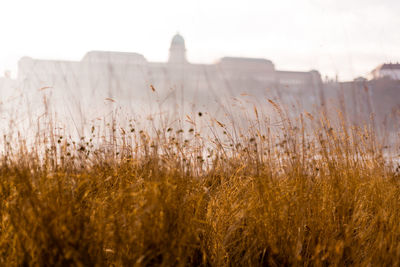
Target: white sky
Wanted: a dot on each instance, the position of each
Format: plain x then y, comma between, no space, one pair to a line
344,37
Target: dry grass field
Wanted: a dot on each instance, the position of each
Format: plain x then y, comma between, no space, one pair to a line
306,193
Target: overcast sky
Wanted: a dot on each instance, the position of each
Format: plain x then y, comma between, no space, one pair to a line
344,37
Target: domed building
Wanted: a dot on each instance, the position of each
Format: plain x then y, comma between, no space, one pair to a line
177,50
127,76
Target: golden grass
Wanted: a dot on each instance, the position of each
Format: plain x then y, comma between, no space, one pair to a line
308,193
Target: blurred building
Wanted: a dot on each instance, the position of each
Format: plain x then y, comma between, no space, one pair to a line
390,70
128,76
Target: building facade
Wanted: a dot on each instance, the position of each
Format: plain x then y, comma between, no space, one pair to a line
117,72
387,70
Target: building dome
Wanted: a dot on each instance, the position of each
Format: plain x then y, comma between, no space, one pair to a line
178,40
177,51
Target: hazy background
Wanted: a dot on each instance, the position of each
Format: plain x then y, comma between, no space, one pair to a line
347,38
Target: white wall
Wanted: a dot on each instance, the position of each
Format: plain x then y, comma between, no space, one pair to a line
393,74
